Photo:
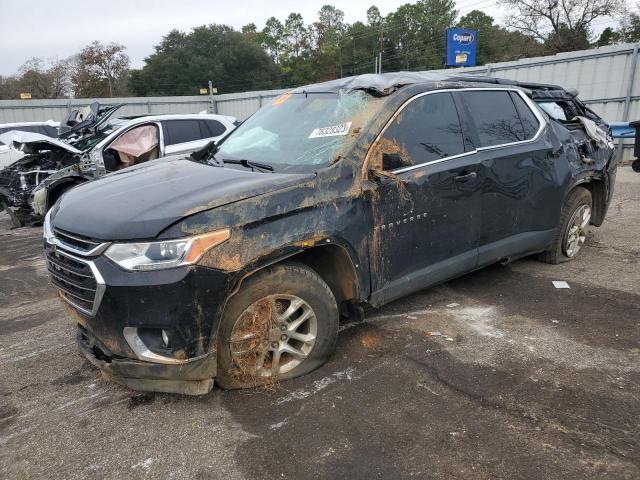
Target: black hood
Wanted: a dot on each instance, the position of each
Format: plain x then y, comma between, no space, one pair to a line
141,202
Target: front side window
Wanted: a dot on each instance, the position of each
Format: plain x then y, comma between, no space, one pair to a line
427,129
301,132
494,116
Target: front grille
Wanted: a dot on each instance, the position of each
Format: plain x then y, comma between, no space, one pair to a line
74,279
77,242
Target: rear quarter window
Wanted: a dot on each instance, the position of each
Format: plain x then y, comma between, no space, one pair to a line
494,116
181,131
211,128
530,123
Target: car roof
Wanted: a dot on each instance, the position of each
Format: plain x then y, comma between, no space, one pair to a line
384,84
180,116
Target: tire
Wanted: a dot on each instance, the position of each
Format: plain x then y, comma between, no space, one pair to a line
578,200
19,218
264,312
635,165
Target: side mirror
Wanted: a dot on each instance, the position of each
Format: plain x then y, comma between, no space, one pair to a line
391,161
205,152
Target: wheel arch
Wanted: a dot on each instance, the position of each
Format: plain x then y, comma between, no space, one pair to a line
332,261
57,188
599,198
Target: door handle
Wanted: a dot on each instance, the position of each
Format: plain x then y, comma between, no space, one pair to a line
466,177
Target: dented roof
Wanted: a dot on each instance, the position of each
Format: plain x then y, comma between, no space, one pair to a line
387,83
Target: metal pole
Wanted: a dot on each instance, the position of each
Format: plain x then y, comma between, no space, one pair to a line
380,62
212,102
627,99
375,63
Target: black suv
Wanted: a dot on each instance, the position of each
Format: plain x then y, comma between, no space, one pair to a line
237,263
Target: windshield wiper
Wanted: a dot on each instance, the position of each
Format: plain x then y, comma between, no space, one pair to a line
249,164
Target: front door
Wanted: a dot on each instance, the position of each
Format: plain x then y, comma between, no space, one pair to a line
426,199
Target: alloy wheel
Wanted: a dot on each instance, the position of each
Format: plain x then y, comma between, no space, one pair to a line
576,232
273,335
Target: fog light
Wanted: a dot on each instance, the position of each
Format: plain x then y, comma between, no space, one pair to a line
165,338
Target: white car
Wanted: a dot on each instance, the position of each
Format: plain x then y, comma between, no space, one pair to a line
93,146
9,155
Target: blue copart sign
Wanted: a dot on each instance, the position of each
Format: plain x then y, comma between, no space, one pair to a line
461,47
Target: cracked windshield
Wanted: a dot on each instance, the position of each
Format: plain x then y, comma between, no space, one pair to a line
301,132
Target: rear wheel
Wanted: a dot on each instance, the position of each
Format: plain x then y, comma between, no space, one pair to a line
572,230
282,324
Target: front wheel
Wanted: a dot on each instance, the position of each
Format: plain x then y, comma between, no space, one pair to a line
571,233
282,324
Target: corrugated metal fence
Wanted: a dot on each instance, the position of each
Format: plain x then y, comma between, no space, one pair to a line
239,105
606,78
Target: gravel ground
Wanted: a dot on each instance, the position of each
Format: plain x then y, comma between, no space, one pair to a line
495,375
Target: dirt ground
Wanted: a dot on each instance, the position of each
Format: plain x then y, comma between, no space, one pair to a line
495,375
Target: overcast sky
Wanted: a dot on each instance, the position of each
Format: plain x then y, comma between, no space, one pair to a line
58,29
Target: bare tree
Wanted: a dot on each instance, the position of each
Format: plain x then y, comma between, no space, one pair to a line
99,69
559,23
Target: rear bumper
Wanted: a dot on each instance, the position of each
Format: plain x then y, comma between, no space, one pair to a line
192,378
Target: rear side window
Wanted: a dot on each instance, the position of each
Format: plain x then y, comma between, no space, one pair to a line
211,128
428,128
181,131
529,121
494,116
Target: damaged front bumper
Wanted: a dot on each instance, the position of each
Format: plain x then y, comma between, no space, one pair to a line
194,377
152,330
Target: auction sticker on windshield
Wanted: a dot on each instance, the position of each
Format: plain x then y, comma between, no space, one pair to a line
333,131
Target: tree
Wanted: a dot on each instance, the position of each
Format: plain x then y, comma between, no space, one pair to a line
630,28
250,32
416,32
100,70
563,25
184,62
374,18
43,81
296,35
272,37
496,43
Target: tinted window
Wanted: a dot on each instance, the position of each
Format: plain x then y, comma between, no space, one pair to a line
428,128
494,116
49,131
181,131
529,121
211,128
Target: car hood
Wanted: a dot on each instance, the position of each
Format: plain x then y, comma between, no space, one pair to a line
141,202
34,142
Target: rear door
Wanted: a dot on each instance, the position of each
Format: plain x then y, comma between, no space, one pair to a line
426,203
521,191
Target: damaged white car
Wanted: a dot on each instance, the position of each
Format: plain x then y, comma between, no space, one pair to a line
90,145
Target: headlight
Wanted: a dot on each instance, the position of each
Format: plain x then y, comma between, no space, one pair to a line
47,232
165,254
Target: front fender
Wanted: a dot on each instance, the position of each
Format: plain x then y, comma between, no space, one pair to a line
40,195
